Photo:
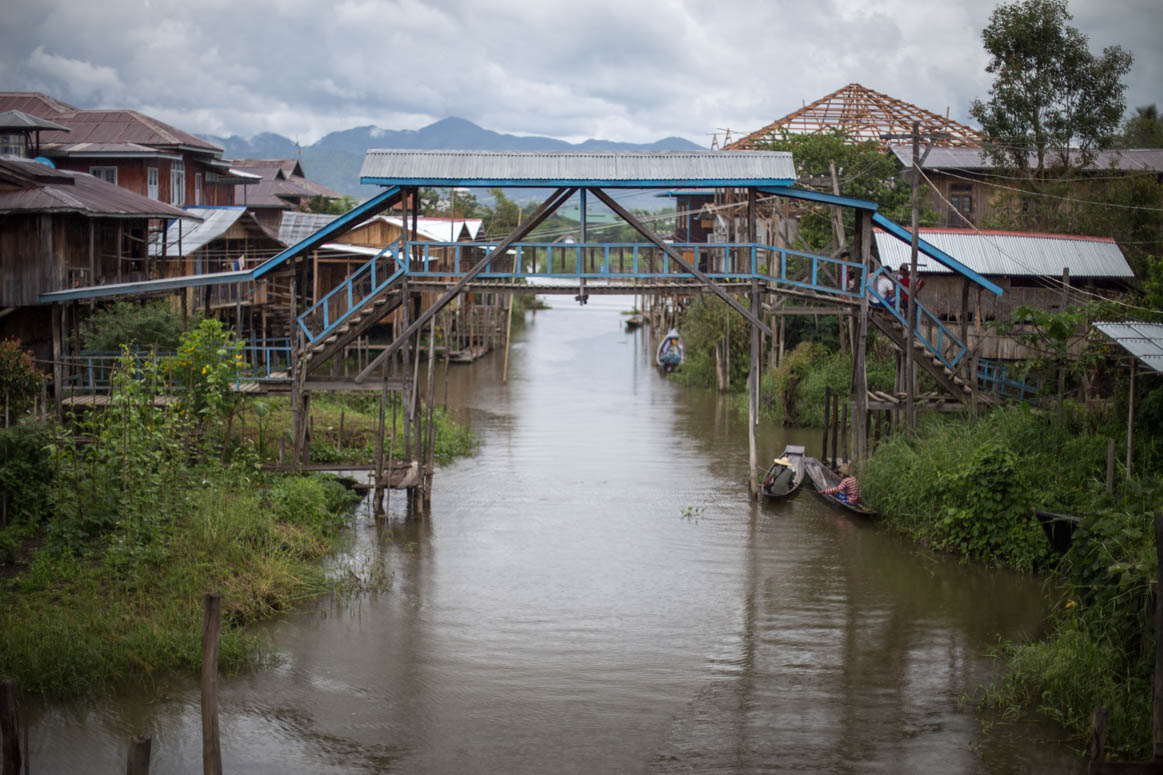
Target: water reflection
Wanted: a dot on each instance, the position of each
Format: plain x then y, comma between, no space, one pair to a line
595,592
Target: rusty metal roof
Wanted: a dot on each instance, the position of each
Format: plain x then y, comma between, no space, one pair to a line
1142,340
35,103
62,191
123,126
1015,254
281,186
623,169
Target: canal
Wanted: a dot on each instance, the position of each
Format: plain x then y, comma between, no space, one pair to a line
595,592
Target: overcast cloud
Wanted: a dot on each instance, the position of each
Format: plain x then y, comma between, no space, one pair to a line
632,70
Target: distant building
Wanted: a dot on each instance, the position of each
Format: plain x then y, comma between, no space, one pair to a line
279,186
129,149
966,180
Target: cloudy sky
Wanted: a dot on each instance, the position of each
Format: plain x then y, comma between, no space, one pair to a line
633,70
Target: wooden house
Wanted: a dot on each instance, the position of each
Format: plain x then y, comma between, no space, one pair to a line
63,229
966,180
1031,268
131,150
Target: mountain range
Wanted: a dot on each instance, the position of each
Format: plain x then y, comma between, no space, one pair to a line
335,160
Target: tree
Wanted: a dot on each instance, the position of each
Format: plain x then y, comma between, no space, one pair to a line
863,170
1049,93
1144,129
502,217
327,205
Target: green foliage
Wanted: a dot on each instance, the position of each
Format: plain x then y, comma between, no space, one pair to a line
1101,647
502,218
971,486
152,325
1049,92
864,171
317,501
707,323
19,379
204,369
25,471
793,393
1144,129
327,205
439,203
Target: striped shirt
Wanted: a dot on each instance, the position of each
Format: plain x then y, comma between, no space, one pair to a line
848,487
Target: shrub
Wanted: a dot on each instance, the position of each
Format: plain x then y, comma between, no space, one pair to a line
19,379
140,326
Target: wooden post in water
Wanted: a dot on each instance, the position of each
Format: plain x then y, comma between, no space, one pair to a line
1097,738
139,750
9,728
508,338
860,345
753,378
211,748
827,415
378,489
835,428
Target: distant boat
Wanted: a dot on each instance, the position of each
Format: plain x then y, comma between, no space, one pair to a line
786,474
670,354
635,321
824,478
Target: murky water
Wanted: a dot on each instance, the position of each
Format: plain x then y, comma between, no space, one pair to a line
596,593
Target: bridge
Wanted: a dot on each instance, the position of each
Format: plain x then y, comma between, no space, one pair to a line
410,281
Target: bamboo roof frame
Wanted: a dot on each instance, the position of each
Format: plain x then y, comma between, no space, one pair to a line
863,114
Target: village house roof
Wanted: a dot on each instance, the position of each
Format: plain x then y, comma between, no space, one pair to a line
863,114
975,159
41,189
282,184
1014,254
106,132
200,226
19,121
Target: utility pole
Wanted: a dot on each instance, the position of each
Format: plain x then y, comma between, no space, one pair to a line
911,339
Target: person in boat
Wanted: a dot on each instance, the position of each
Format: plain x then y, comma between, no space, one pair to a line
671,355
848,491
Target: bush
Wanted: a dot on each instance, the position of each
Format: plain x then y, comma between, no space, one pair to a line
19,379
139,326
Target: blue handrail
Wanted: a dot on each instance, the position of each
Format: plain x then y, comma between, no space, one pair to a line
948,348
347,297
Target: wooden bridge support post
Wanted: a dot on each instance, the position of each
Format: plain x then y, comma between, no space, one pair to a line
753,384
859,353
58,366
9,729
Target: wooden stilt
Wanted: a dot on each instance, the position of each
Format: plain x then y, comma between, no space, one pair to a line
753,378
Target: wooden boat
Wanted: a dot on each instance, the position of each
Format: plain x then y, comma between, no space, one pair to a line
635,321
786,474
824,478
670,354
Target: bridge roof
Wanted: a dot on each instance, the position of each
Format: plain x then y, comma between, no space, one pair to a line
607,169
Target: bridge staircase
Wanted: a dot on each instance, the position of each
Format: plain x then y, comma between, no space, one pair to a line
349,309
936,350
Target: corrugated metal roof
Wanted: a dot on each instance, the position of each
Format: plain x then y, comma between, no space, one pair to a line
545,168
19,120
1128,159
1142,340
45,190
296,227
1014,253
192,235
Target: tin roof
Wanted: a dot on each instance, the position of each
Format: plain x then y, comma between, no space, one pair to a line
18,120
656,169
1142,340
296,227
1017,254
42,189
1126,159
192,235
35,103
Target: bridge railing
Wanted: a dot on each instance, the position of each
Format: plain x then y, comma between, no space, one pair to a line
996,377
627,261
931,331
347,297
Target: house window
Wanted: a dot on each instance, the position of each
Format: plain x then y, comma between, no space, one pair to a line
177,183
151,182
197,188
108,174
961,200
12,145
